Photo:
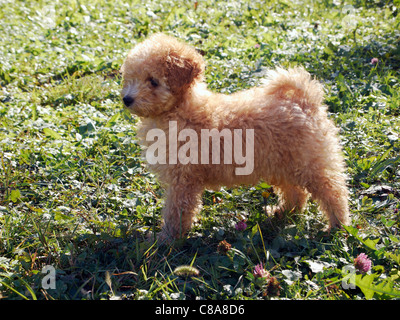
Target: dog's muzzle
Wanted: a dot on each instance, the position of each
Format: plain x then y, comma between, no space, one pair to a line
128,101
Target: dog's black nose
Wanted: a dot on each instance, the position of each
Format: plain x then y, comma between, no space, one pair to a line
128,101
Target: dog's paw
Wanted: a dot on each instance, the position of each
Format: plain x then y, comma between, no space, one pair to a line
162,238
337,224
276,211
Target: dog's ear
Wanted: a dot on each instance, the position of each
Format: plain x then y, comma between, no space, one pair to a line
182,71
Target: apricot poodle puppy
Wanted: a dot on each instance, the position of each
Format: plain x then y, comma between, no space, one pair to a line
195,139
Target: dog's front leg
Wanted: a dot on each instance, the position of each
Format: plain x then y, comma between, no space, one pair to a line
182,203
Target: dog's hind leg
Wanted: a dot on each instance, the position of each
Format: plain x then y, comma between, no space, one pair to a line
331,193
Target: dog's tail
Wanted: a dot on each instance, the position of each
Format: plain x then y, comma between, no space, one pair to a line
296,85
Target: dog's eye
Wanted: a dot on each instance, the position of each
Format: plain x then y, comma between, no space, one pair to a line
153,82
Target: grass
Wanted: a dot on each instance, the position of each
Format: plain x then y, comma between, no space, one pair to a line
75,195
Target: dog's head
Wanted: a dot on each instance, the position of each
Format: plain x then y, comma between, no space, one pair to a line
157,73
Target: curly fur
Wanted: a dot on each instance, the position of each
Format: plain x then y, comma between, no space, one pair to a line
296,146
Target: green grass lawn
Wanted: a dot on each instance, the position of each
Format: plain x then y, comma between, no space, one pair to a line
75,194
